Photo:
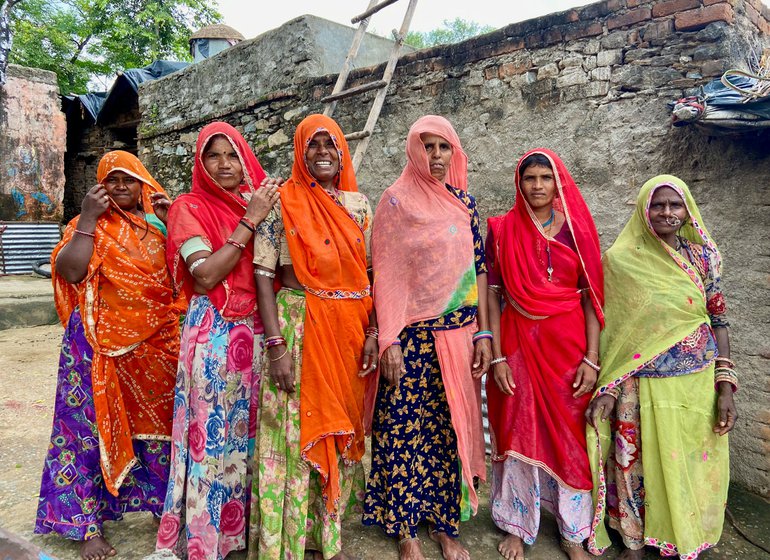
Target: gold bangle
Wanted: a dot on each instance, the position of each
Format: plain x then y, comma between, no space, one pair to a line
279,357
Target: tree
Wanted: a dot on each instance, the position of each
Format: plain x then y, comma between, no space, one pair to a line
84,40
6,36
453,31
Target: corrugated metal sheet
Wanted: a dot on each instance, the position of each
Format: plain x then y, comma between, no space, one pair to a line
23,244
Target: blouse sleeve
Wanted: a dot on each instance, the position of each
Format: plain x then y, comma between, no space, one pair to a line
715,299
267,239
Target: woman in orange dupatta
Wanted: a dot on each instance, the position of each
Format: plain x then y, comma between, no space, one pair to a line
311,435
110,446
430,296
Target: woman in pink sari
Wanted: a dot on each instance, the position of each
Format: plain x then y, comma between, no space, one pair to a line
429,271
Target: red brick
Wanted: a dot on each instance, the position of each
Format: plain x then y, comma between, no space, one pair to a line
753,14
711,2
629,18
701,17
490,72
512,69
581,30
633,3
662,9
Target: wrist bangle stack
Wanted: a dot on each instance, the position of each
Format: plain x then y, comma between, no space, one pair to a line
499,360
248,224
396,343
236,244
269,274
87,234
725,362
726,374
592,365
372,332
481,335
272,341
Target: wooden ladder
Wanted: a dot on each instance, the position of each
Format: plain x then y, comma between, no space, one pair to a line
339,92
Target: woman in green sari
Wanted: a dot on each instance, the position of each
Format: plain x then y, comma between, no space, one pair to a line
665,399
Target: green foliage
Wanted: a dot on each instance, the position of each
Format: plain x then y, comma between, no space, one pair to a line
83,40
453,31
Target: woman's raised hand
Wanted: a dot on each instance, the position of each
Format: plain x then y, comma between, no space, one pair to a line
95,203
160,205
504,378
263,199
392,365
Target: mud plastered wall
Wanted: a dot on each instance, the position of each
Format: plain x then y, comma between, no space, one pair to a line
591,83
32,144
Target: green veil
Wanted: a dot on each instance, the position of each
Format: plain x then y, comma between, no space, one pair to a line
654,298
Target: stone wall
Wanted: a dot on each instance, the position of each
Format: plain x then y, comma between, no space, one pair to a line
32,143
593,84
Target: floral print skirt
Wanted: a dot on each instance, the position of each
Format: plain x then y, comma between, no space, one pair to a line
73,499
519,490
209,490
289,515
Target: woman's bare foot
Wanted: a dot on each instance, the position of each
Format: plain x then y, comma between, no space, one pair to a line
96,549
629,554
451,549
574,550
409,549
511,548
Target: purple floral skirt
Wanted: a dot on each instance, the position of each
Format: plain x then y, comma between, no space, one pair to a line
73,498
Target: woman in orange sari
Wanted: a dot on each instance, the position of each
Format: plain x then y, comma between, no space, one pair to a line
311,437
110,447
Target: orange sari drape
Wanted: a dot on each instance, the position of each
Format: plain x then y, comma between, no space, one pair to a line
131,320
329,258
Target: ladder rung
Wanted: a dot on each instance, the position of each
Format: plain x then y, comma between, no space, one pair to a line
373,10
379,84
358,135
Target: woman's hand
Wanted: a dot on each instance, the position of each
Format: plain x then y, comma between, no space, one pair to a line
369,356
160,205
728,413
600,407
392,365
263,199
504,378
585,380
482,355
281,369
95,203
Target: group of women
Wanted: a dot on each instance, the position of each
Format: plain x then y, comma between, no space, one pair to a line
310,323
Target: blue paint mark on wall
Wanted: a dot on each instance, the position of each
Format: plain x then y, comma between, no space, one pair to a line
18,199
42,198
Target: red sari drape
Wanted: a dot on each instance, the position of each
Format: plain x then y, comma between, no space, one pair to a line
543,332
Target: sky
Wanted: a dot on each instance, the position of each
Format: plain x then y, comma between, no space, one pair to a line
253,18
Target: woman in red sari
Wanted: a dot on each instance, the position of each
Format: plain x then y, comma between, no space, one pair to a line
545,270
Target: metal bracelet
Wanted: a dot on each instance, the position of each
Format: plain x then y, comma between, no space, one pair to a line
196,263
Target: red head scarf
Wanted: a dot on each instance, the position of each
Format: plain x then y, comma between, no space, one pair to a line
211,212
131,320
521,239
329,258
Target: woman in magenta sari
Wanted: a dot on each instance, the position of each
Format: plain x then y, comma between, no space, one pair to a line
545,268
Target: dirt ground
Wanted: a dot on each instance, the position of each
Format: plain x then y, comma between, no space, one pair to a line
28,361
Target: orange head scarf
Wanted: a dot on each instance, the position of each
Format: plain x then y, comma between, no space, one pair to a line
329,257
131,320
